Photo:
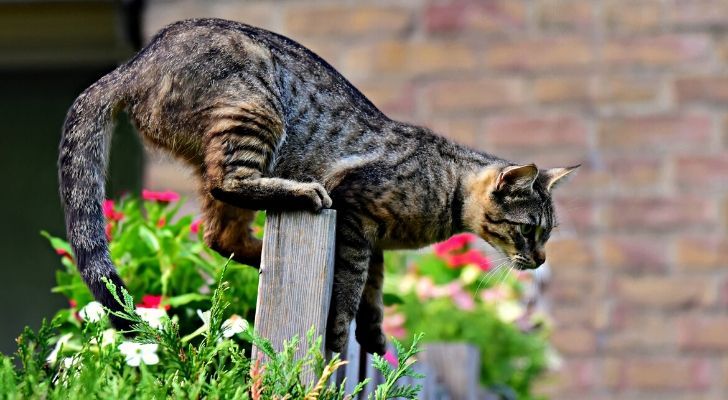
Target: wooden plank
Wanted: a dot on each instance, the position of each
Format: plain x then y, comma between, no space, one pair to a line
457,367
352,355
296,276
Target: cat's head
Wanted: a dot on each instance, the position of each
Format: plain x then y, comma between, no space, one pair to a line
511,208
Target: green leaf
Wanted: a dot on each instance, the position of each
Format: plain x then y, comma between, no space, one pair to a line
391,299
148,237
177,301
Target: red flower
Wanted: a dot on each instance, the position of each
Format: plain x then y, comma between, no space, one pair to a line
195,226
162,222
64,253
109,231
72,303
152,301
471,256
109,211
162,197
456,242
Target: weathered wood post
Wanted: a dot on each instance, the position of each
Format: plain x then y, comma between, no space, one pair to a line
296,276
457,367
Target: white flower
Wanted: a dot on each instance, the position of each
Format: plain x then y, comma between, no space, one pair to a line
509,311
108,337
204,316
234,325
92,312
62,341
153,316
137,353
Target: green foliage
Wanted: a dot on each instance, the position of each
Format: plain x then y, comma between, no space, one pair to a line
454,294
157,254
215,368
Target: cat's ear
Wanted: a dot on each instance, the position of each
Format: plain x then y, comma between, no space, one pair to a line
557,176
516,177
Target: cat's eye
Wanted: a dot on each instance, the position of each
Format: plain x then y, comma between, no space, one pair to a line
526,229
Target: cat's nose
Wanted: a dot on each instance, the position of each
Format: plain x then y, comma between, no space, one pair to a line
539,257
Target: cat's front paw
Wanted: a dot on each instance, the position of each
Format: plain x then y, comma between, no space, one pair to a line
315,195
372,340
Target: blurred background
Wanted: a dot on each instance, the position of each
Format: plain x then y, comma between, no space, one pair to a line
635,90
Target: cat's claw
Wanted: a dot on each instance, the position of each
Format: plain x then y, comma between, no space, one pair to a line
317,194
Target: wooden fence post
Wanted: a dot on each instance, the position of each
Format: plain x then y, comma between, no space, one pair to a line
296,276
457,367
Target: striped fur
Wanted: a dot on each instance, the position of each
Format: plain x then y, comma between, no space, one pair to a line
267,124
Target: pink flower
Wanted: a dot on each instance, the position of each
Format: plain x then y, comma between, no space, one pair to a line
425,288
393,325
73,303
471,256
195,226
456,242
462,299
493,295
391,359
110,212
162,197
162,222
152,301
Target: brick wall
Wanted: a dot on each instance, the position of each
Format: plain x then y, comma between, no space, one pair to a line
636,90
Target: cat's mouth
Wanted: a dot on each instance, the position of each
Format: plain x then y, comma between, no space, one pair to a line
522,263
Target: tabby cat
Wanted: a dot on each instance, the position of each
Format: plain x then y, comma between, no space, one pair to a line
267,124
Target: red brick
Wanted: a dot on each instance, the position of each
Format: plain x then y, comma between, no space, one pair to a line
352,21
709,89
574,341
570,253
635,174
665,292
705,173
492,17
536,133
639,331
702,253
464,130
563,90
565,14
390,97
634,253
656,133
633,15
698,13
658,51
706,333
659,214
541,54
621,89
409,58
575,215
474,95
569,286
581,314
665,373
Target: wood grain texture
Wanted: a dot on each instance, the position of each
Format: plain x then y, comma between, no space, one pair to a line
353,356
456,366
296,276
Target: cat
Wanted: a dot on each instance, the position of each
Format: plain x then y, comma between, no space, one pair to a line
267,124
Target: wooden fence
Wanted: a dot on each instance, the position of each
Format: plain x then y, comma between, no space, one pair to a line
296,276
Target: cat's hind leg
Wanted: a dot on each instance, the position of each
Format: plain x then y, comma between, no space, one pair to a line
239,149
227,231
370,313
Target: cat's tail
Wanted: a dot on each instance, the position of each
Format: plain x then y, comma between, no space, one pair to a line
82,163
